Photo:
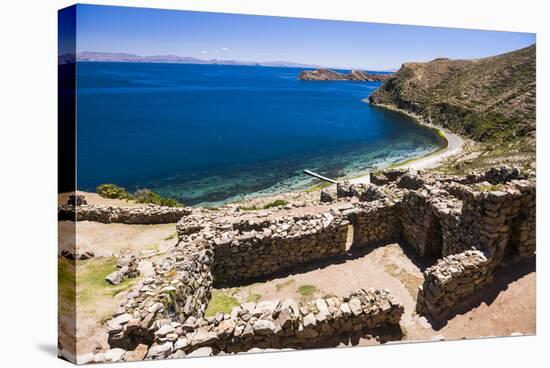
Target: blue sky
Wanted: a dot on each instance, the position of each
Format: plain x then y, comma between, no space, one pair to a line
260,38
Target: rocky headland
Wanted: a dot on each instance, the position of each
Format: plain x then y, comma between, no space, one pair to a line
331,75
489,100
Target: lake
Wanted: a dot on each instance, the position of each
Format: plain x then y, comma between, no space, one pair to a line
208,134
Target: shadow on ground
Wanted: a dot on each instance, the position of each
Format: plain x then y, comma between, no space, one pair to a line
502,277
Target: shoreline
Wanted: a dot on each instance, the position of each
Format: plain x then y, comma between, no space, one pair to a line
454,144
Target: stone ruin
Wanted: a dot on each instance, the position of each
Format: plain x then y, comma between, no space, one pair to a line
467,226
77,209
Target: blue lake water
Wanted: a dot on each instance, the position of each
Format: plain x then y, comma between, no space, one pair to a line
213,133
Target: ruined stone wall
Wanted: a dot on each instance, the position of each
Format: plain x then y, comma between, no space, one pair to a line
147,214
450,218
504,220
179,289
277,324
250,250
374,222
451,280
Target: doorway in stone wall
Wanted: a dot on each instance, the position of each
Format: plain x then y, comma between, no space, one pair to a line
511,251
434,238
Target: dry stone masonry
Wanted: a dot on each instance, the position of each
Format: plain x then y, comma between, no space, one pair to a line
470,226
250,248
148,214
273,324
451,280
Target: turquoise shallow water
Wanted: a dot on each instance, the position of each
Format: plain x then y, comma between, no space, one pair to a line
212,133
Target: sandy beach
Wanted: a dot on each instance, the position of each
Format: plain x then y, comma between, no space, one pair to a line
434,159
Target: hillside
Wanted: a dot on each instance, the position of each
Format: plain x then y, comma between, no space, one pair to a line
489,100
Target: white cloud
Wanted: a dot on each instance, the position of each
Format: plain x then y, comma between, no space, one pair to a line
204,52
225,49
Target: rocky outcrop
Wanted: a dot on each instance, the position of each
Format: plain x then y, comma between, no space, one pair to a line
147,214
331,75
127,268
486,99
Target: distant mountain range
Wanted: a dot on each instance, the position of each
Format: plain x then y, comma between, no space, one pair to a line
131,58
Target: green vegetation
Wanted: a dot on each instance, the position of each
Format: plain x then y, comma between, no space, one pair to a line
253,297
307,291
490,188
318,187
490,100
220,302
171,236
282,285
90,279
153,246
66,283
275,203
148,196
112,191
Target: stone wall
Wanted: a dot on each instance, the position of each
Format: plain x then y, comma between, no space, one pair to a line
475,227
374,222
147,214
451,280
449,218
179,289
275,324
250,249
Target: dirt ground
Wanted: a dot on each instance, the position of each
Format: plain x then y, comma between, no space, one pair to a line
95,298
506,307
116,239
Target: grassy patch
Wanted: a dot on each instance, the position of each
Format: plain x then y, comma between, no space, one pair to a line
90,280
282,285
171,236
220,302
66,284
153,246
275,203
249,208
307,291
253,297
318,187
490,187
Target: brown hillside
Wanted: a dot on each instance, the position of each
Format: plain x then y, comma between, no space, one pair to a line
489,99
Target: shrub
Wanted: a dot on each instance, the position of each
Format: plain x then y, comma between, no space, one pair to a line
112,191
148,196
276,203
